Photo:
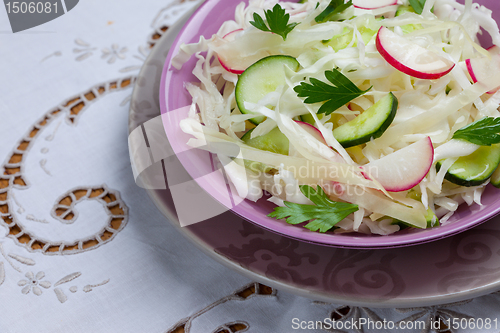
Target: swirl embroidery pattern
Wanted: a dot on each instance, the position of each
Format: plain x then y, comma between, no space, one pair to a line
247,292
13,178
64,209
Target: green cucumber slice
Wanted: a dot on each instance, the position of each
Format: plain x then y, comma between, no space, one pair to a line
495,177
308,118
274,141
474,169
367,34
372,123
402,9
407,28
260,79
432,219
335,119
340,41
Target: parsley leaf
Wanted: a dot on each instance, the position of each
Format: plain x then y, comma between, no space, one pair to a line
418,5
277,21
325,215
335,96
335,7
483,132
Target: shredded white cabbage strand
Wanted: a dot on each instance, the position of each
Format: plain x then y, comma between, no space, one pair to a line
427,108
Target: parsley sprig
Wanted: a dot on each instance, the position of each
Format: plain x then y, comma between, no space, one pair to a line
334,7
342,92
483,132
418,5
323,216
277,21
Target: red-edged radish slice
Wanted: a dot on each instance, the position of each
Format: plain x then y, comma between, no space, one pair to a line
470,70
230,36
235,66
494,50
411,58
482,68
373,4
403,169
316,133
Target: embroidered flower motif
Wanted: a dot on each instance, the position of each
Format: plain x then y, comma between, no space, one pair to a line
437,318
113,53
83,47
141,56
352,314
33,282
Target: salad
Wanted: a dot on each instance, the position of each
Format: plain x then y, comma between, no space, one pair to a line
351,116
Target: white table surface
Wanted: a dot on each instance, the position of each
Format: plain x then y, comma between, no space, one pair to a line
142,275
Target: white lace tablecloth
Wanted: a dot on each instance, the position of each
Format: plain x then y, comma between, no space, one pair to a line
84,249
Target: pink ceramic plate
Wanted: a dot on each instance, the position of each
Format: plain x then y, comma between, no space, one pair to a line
206,21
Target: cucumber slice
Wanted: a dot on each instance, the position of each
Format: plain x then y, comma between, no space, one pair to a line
432,219
372,123
260,79
404,9
474,169
335,118
308,118
274,141
342,40
495,178
407,28
367,34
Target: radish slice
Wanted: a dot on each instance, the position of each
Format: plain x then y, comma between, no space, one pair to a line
403,169
316,133
410,58
471,70
230,36
235,66
482,68
493,50
373,4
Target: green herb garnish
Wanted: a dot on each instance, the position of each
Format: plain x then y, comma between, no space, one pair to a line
277,21
334,7
483,132
418,5
342,92
324,215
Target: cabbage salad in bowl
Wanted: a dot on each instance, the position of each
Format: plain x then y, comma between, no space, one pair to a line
365,116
